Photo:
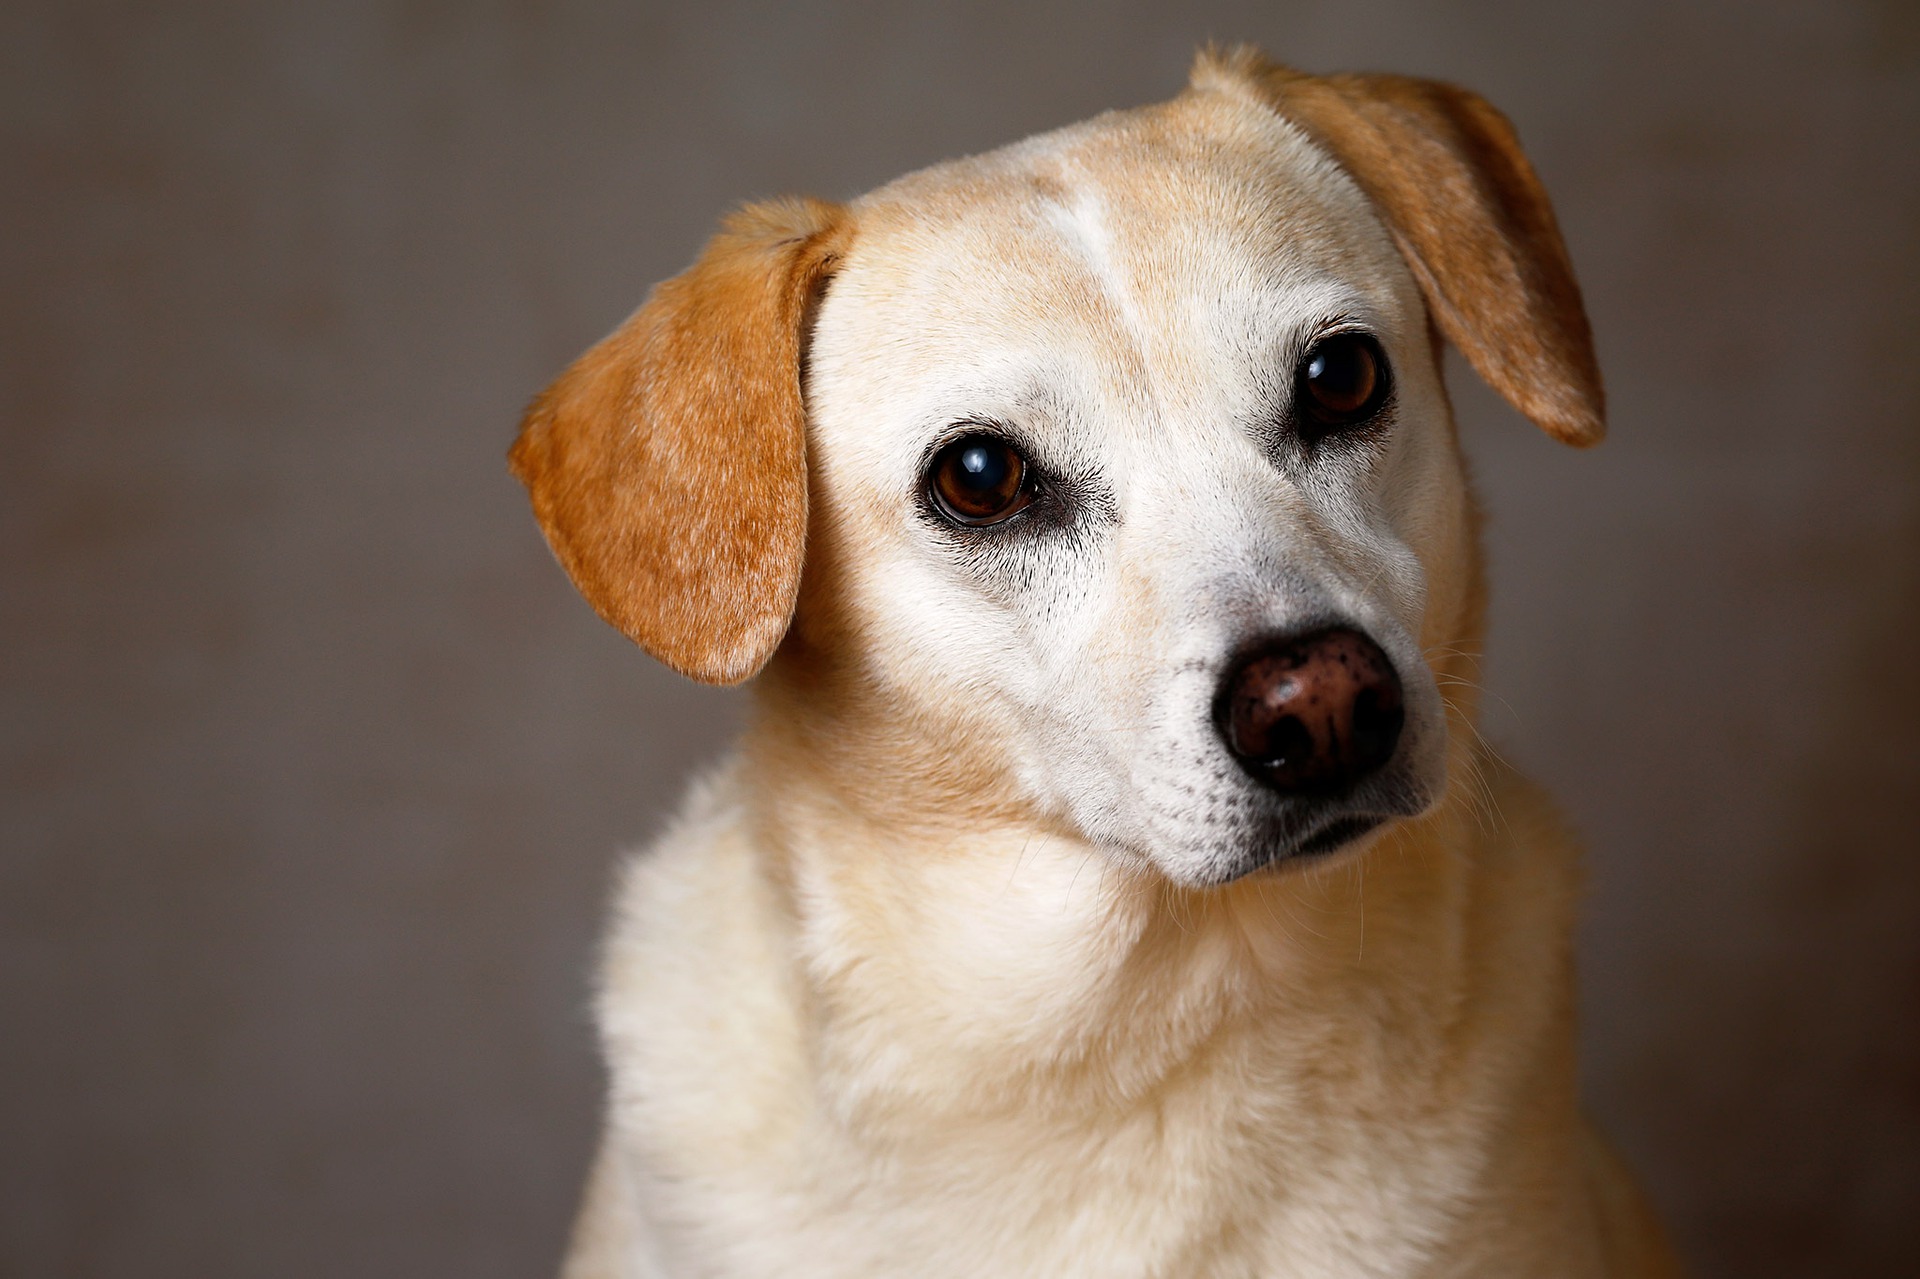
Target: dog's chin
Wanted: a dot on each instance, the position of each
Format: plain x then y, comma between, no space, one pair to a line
1249,830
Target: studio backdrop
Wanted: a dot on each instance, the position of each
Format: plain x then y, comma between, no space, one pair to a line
313,768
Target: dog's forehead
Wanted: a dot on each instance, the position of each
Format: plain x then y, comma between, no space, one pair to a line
1158,211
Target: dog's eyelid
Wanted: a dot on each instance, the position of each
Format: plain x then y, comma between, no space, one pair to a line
1336,323
961,428
1343,322
1300,338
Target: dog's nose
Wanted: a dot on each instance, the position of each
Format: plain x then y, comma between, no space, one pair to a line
1313,712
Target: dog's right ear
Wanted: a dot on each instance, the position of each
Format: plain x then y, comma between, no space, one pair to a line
667,466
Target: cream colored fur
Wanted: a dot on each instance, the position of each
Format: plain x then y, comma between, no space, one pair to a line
936,976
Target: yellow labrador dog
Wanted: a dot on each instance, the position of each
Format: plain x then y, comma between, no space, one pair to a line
1111,882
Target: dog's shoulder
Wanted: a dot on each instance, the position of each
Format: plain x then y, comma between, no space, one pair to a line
694,981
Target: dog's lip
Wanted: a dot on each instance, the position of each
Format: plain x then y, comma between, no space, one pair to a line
1323,841
1333,835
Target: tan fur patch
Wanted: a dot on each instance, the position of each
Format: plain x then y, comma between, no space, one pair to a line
667,466
1469,214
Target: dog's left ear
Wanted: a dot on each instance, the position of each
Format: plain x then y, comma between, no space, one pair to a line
1469,215
667,466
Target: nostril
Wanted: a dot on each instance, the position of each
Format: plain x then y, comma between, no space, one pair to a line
1289,744
1315,712
1378,717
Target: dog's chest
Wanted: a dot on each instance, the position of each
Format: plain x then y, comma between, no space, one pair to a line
768,1144
1193,1185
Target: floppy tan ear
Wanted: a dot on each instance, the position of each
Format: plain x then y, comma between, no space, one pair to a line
1469,215
667,466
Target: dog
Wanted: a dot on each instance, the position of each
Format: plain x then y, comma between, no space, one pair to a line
1111,880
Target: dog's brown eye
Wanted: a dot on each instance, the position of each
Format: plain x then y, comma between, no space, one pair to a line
979,479
1342,381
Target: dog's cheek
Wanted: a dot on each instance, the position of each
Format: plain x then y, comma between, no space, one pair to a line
961,665
1423,574
1017,651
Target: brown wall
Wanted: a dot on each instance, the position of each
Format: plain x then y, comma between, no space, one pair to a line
313,766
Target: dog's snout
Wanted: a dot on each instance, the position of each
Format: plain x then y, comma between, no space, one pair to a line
1313,712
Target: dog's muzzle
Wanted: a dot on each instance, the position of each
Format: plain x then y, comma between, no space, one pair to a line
1313,713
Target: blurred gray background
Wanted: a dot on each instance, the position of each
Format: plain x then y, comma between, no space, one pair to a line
312,766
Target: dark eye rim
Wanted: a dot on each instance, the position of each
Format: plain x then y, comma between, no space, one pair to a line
963,433
1312,421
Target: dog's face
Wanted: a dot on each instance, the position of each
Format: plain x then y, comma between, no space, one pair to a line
1114,326
1128,454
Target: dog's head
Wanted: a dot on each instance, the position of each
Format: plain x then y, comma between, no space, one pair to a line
1119,456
